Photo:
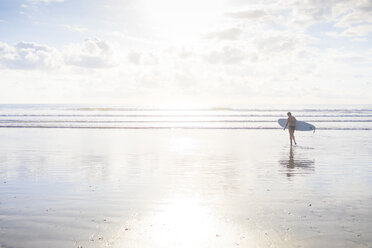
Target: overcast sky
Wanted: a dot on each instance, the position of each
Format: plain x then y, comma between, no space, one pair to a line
185,52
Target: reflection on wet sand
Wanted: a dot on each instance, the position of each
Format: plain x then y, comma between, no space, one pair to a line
296,165
183,188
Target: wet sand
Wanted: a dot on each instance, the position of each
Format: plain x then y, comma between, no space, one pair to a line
184,188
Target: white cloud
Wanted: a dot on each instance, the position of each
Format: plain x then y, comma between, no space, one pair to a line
354,18
28,55
227,34
74,28
226,55
45,1
275,43
358,31
92,53
347,14
134,57
248,14
141,58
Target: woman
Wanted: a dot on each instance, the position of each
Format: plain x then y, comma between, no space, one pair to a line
291,123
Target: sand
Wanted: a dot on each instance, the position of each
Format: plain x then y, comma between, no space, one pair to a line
184,188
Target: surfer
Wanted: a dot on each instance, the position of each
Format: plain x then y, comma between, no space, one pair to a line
291,123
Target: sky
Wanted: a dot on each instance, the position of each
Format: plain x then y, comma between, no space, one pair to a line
186,52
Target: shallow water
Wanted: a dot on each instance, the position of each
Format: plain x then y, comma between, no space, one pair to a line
184,188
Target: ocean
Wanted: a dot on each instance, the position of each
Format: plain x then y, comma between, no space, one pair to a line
127,177
354,117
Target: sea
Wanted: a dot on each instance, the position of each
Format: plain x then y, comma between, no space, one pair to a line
324,117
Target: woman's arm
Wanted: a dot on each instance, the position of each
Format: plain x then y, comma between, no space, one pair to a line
286,124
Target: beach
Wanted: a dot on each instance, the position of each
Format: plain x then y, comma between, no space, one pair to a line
66,187
169,124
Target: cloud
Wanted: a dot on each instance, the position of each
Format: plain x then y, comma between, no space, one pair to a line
227,34
349,18
28,55
45,1
226,55
247,14
357,31
141,58
74,28
134,57
355,19
342,13
352,18
92,53
352,12
275,44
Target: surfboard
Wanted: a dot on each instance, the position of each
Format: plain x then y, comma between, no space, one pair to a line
300,125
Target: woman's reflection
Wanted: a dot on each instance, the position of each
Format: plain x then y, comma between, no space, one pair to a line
297,166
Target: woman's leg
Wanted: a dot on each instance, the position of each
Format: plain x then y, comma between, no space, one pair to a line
293,137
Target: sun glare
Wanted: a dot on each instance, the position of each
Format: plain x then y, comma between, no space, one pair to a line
182,20
185,223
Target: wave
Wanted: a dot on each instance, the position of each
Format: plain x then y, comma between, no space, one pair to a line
173,115
284,110
175,127
169,121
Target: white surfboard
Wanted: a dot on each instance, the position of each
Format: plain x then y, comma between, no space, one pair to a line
300,125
